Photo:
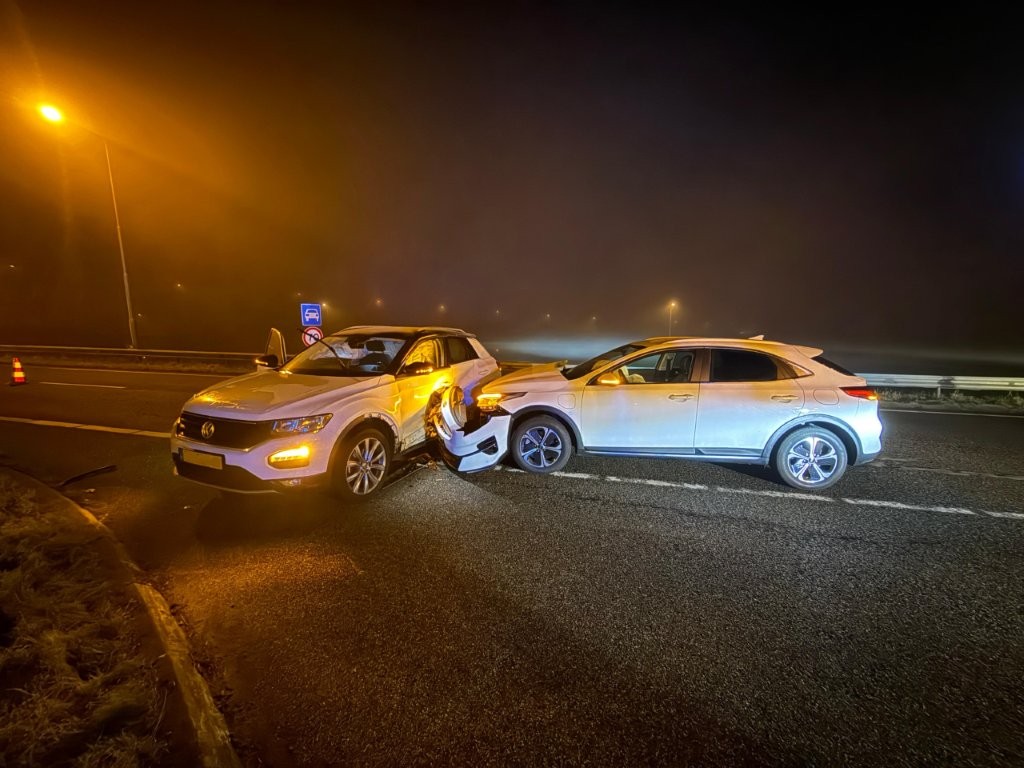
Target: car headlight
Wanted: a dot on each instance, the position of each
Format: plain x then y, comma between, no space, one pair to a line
306,425
492,401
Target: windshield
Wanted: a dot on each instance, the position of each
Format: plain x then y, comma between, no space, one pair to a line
349,355
601,360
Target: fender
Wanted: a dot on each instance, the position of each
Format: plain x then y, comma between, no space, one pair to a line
811,418
360,418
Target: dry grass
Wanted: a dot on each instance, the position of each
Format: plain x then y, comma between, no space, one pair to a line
74,689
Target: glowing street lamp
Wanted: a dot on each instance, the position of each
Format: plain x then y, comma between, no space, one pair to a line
51,114
671,308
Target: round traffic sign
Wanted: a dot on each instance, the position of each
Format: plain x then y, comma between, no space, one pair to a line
311,335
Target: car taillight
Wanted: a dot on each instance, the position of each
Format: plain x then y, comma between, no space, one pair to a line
864,393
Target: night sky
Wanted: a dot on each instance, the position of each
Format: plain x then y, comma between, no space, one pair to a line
842,177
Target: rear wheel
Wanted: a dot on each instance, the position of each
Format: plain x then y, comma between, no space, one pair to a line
811,458
361,464
541,444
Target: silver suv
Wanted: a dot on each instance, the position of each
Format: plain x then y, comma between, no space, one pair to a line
724,400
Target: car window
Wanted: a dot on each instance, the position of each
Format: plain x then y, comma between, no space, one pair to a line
744,365
659,368
601,360
459,350
424,352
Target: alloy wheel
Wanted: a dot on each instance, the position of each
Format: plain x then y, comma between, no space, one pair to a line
366,465
540,447
812,460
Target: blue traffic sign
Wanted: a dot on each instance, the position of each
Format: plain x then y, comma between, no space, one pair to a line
310,314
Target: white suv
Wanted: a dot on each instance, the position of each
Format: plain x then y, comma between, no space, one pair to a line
724,400
335,415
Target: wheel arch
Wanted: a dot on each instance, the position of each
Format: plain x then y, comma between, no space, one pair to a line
542,410
849,438
377,420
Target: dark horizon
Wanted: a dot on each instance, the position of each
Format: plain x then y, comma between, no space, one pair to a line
853,180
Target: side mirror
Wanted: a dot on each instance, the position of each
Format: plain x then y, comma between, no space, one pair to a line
267,361
419,368
610,380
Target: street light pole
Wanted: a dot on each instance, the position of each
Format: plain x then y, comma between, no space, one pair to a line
54,115
671,306
120,246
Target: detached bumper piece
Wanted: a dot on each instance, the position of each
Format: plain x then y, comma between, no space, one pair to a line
477,450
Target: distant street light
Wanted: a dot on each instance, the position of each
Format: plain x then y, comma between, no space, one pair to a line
671,308
442,308
378,302
54,115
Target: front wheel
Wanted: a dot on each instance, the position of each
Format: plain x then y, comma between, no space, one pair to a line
811,458
541,445
361,464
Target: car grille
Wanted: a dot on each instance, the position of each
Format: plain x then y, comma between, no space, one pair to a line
227,433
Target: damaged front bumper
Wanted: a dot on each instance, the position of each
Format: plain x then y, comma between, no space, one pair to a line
475,444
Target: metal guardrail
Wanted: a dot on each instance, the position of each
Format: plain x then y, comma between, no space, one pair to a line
23,349
894,380
940,383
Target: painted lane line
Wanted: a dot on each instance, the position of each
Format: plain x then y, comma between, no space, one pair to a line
963,472
655,483
912,507
68,384
875,503
87,427
775,494
953,413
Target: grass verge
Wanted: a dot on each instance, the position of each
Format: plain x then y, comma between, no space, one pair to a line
957,399
75,688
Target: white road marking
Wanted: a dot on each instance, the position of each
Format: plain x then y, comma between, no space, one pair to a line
87,427
878,503
775,494
953,413
913,507
69,384
966,472
875,503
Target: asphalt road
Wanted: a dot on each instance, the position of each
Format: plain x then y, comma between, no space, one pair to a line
624,612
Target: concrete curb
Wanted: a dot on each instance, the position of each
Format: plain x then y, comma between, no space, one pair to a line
210,731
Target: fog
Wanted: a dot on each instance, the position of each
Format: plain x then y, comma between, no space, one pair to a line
539,172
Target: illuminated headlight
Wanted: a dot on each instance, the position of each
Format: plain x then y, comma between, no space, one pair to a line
490,402
306,425
290,458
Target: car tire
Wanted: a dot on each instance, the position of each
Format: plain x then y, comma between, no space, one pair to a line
541,444
811,458
361,464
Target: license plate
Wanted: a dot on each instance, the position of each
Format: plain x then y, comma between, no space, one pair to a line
201,459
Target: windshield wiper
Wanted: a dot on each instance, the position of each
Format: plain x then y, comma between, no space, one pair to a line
341,360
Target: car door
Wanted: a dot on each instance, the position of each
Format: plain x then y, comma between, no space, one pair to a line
415,391
649,404
747,396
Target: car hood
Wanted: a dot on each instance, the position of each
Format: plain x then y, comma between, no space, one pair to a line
276,394
535,378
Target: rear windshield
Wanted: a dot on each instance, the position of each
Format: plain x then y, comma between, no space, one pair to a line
829,364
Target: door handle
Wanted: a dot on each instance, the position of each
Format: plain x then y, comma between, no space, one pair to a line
784,398
680,397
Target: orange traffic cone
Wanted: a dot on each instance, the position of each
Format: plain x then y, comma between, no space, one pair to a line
17,372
